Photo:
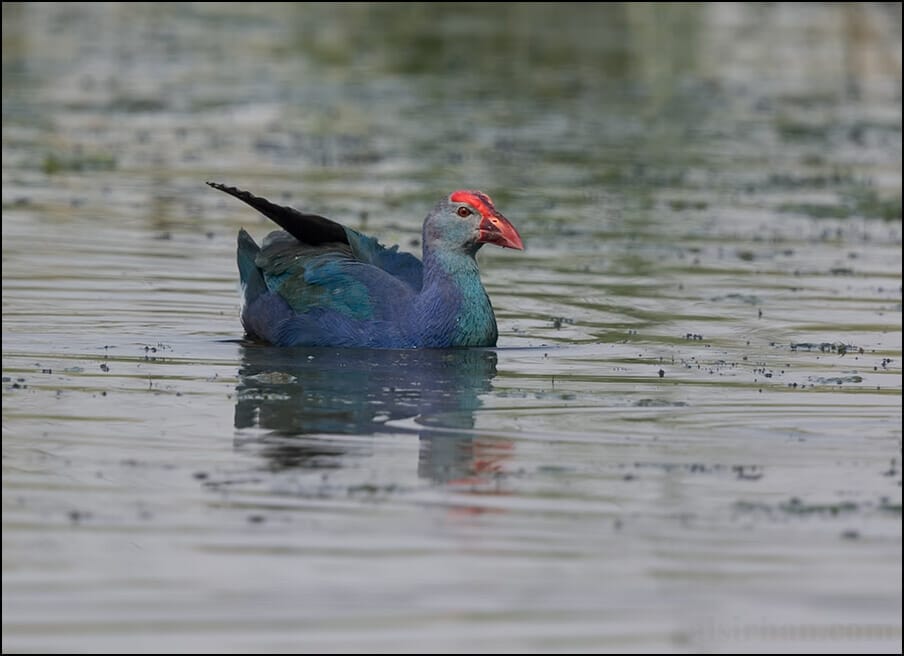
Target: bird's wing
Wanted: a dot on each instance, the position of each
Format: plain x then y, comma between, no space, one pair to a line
404,266
315,230
329,277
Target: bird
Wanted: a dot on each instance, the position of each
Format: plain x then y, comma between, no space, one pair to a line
317,282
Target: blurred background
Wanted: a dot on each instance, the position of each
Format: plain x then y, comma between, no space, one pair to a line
791,108
688,439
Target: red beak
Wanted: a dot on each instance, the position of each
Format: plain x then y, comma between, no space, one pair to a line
496,229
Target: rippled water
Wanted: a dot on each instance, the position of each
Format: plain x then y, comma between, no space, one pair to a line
688,439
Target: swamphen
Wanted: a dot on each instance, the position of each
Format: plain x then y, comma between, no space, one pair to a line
319,283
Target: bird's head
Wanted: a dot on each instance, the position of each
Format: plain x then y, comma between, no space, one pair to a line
466,220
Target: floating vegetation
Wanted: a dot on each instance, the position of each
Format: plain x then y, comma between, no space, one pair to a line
78,161
861,201
827,347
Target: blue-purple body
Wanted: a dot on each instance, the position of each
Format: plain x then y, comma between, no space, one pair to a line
318,283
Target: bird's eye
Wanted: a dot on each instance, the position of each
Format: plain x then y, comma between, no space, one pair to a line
463,212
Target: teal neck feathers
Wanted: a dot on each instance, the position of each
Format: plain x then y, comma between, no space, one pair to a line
454,307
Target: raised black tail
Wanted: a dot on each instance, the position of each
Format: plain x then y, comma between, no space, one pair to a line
309,229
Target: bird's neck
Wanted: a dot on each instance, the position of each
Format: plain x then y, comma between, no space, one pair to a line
442,265
454,307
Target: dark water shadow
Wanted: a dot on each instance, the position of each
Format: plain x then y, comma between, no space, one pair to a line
291,393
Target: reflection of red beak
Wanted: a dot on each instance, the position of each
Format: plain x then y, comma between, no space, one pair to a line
496,229
488,457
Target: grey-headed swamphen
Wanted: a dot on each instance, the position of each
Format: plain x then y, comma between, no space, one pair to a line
319,283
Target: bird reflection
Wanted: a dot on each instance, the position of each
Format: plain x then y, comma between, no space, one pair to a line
292,392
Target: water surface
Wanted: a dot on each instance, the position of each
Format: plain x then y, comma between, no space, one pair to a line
688,438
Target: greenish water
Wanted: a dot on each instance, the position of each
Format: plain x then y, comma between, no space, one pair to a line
688,439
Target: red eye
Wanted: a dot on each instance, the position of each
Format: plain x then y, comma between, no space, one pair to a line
463,212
